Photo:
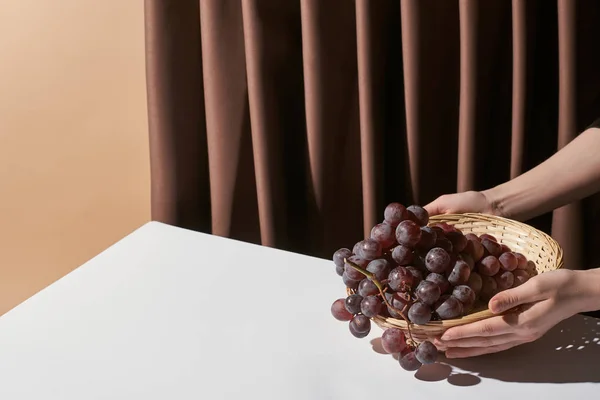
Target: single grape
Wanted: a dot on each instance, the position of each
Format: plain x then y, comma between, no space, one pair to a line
408,361
370,306
465,295
448,307
417,275
393,340
476,249
439,232
428,239
394,214
472,236
443,243
531,268
339,312
460,273
408,233
520,277
468,259
352,273
428,292
400,278
380,268
366,288
505,249
340,255
458,240
489,266
352,303
488,237
385,234
475,282
369,249
437,260
418,214
489,287
504,280
521,261
419,313
426,353
440,280
402,255
508,261
494,248
356,249
446,227
350,283
398,300
394,314
360,326
339,270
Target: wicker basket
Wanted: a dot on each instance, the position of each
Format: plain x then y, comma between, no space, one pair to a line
535,245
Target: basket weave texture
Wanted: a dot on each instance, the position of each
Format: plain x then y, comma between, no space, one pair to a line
535,245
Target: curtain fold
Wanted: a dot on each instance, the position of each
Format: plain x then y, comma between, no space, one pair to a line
293,123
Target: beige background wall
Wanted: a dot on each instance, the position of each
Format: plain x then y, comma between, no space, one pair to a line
74,168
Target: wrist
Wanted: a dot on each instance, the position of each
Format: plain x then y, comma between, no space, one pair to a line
587,290
496,198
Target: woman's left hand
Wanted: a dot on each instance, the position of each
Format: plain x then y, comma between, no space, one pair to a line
544,300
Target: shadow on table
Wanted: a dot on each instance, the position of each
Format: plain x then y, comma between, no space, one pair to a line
568,353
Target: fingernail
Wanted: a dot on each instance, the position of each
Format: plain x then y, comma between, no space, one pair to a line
496,306
445,336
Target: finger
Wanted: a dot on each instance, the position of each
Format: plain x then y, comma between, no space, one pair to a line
435,207
494,326
478,341
528,292
459,352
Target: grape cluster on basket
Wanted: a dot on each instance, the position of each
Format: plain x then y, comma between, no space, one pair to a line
418,272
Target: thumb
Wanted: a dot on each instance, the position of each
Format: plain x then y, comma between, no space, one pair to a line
510,298
436,207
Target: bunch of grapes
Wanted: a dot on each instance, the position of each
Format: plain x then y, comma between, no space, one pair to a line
410,270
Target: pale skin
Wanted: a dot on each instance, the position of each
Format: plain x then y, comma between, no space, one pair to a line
571,174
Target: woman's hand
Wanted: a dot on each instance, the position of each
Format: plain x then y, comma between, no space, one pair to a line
471,201
544,301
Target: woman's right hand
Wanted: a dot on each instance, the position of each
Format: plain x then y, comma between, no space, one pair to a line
465,202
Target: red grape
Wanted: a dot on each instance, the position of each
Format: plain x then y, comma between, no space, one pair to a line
446,227
428,239
398,300
340,255
350,283
408,233
448,307
465,295
417,275
368,249
385,234
360,326
440,280
505,249
444,243
521,261
402,255
494,248
380,268
426,353
367,288
458,240
370,306
419,313
352,303
488,237
459,274
418,214
339,312
352,273
489,287
339,270
428,292
468,259
520,277
393,340
504,280
475,282
408,361
476,249
400,278
489,266
437,260
394,214
508,261
472,236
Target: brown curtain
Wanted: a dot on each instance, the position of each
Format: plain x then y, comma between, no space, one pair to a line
292,123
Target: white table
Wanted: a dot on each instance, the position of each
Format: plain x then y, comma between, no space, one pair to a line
172,314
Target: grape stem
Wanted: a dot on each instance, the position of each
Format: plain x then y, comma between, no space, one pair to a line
382,289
